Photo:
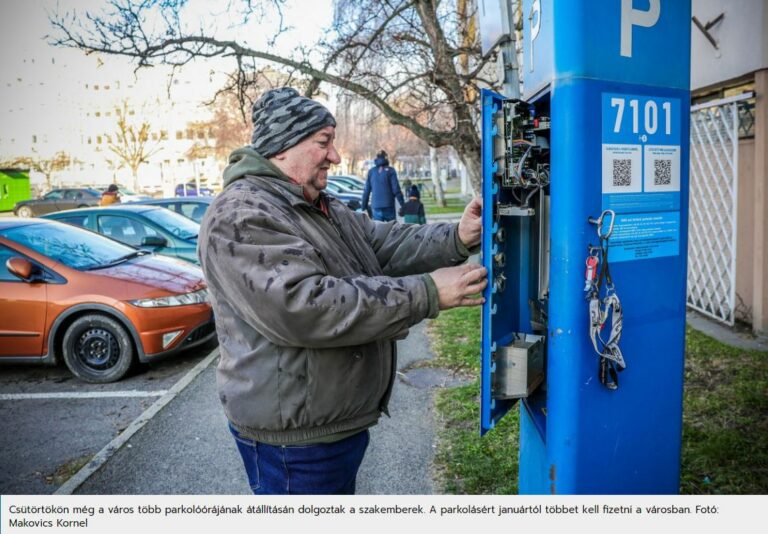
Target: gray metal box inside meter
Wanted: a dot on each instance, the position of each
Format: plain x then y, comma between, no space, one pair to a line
519,367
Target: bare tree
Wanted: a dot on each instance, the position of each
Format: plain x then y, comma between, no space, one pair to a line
131,144
361,131
228,128
45,165
416,61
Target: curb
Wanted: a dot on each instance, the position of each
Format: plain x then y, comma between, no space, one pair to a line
101,457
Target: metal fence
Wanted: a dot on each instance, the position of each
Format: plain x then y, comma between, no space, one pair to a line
713,208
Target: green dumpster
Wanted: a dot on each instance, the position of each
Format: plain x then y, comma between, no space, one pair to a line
14,187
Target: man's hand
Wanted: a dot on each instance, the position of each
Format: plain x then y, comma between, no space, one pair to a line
471,223
456,284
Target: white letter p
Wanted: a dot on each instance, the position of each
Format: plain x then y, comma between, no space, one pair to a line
634,17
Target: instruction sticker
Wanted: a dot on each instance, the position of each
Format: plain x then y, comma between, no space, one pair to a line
645,235
641,174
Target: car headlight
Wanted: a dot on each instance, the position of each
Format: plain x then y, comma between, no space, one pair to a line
196,297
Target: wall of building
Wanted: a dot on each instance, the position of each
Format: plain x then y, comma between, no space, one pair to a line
745,232
742,43
63,101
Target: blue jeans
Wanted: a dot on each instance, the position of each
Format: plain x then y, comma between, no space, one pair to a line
322,469
383,214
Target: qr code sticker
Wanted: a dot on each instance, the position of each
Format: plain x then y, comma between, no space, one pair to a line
622,172
662,171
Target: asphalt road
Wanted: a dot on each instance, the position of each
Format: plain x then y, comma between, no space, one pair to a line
186,448
51,422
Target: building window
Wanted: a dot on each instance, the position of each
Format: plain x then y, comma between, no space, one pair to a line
164,135
34,139
180,161
90,141
131,112
98,139
95,87
97,114
179,134
201,134
154,136
106,88
190,134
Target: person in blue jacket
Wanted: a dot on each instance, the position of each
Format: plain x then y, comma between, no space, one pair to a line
382,188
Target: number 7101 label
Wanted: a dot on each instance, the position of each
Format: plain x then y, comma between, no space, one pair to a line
638,119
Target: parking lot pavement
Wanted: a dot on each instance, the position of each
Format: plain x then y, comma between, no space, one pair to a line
185,449
51,423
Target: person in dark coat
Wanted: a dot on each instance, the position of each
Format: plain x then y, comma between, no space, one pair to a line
413,210
382,188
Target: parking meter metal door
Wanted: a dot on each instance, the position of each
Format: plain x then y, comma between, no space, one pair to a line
515,162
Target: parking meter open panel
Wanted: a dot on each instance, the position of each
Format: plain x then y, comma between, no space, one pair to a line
515,250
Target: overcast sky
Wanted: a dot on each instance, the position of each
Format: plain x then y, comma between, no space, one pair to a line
24,25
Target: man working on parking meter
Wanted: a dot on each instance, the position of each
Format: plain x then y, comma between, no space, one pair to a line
310,297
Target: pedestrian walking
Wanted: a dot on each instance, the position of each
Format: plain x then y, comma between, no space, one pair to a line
413,210
382,188
310,297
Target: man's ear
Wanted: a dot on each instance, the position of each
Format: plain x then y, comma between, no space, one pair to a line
280,156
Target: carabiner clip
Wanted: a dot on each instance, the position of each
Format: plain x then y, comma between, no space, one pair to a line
599,223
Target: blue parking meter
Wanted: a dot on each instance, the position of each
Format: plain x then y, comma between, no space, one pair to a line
585,189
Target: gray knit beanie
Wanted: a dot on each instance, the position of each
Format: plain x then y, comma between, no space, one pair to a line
282,118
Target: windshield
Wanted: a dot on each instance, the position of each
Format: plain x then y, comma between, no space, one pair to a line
174,223
69,245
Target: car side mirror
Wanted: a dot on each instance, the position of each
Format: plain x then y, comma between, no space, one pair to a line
154,241
24,269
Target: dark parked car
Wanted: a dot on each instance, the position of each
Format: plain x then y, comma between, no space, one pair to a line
57,200
101,306
353,199
190,190
153,228
190,207
350,182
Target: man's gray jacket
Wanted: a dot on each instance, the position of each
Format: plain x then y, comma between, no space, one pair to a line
308,305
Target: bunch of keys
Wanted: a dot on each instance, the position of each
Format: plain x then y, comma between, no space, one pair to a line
591,274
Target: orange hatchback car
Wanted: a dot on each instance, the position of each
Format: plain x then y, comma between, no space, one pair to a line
98,304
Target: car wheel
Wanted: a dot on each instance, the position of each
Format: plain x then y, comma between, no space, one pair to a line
24,211
97,349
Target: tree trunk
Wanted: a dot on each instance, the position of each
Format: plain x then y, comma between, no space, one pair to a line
135,178
439,197
471,161
464,177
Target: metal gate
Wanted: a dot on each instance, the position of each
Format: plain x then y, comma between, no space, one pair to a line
713,207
